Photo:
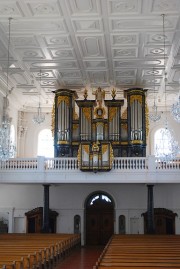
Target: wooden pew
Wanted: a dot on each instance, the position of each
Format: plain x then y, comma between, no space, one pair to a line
8,265
22,251
140,252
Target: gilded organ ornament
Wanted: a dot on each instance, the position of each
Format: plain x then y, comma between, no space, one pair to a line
112,113
87,113
136,97
61,99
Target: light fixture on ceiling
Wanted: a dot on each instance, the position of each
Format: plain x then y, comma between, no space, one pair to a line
168,148
154,115
39,117
7,148
175,110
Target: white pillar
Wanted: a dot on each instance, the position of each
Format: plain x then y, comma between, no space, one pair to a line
151,163
40,163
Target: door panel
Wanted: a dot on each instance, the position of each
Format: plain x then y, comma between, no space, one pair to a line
92,226
99,227
107,227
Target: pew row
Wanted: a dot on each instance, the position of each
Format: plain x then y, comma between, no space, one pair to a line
140,251
36,251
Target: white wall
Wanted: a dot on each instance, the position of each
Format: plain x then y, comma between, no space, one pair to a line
69,200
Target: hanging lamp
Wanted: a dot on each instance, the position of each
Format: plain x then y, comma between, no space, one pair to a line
39,117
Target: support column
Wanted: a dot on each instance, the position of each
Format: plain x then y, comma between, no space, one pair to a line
150,211
45,227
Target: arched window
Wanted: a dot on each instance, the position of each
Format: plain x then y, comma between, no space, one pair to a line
12,133
98,198
162,142
45,144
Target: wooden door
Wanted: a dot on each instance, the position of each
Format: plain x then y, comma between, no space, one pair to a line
106,227
99,223
92,228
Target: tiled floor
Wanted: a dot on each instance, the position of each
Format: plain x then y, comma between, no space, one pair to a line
81,258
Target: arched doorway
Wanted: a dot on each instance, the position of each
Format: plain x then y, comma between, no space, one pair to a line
99,218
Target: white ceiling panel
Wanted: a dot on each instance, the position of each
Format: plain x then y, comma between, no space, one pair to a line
88,43
82,8
91,46
44,8
130,7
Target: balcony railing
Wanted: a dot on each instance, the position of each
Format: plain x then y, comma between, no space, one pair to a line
148,164
148,170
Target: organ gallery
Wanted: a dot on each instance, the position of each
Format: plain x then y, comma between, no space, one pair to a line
98,130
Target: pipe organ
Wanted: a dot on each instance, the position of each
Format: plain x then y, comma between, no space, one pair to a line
98,130
62,122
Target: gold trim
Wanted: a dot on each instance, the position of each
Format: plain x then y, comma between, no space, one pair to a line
104,148
113,93
75,143
62,142
112,113
85,148
119,143
147,120
99,123
75,126
116,143
87,112
136,97
102,169
79,156
95,147
111,156
136,142
124,143
102,114
63,98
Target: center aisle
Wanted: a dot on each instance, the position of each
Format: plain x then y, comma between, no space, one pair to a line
81,258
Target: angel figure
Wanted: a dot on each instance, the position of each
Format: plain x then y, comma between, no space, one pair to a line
100,95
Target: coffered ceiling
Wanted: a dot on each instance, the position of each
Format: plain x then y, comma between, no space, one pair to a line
88,43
